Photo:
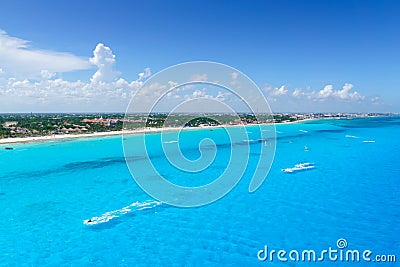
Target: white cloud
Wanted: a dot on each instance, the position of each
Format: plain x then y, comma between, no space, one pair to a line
104,59
267,88
103,93
46,75
145,74
182,94
327,99
297,92
329,92
199,78
149,92
62,95
38,90
19,59
197,94
279,91
376,100
326,92
345,93
172,94
173,84
234,75
222,96
211,93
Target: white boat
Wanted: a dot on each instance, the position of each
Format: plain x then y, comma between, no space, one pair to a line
305,148
299,167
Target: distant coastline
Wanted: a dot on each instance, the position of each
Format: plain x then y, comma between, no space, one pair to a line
30,139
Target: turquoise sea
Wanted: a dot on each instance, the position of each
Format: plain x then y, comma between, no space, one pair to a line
48,189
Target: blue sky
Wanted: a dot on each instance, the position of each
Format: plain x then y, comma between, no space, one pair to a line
284,46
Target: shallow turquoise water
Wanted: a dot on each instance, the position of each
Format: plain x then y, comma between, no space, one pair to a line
48,189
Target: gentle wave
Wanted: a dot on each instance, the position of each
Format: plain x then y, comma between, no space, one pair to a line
108,216
299,167
351,136
170,142
369,141
303,131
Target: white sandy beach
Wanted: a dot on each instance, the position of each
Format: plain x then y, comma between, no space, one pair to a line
14,140
72,136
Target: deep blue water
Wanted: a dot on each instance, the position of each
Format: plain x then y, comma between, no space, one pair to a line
47,190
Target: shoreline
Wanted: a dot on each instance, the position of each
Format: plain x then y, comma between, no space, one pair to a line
32,139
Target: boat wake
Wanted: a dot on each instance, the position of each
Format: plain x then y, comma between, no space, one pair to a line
108,216
299,167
